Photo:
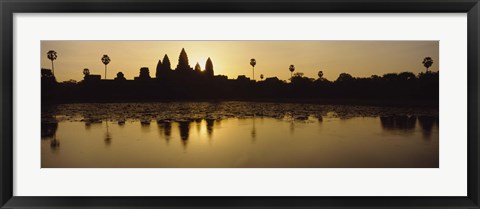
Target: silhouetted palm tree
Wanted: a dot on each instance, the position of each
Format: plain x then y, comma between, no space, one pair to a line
261,76
291,68
105,60
320,74
52,55
253,62
86,71
427,62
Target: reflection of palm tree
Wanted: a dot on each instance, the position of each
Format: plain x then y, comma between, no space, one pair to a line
54,144
254,130
427,62
253,62
108,137
52,55
105,61
291,68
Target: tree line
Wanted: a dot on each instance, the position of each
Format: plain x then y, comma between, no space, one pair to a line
389,87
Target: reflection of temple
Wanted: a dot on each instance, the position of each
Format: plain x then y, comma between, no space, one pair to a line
408,123
210,126
398,122
165,128
184,127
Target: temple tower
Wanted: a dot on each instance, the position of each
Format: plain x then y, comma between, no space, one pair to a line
209,68
183,62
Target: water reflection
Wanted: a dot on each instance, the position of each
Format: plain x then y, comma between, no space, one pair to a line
407,124
274,140
165,128
108,137
198,122
404,123
254,130
210,123
427,123
184,127
48,132
145,125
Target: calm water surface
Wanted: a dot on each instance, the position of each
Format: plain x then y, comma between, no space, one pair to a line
237,135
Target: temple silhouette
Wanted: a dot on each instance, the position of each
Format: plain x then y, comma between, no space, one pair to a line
164,71
192,83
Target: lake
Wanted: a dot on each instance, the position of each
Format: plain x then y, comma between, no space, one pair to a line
238,135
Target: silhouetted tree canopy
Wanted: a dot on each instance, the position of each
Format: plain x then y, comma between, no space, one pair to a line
52,55
291,68
427,62
344,77
46,73
253,62
120,77
86,72
320,74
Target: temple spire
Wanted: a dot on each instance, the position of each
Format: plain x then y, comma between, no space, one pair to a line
159,69
166,63
183,61
198,69
209,68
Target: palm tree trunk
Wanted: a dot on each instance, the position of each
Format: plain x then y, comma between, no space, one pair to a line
53,70
253,73
105,72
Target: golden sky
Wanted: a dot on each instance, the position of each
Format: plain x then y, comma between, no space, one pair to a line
232,58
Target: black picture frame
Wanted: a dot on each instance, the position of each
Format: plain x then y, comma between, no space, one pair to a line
10,7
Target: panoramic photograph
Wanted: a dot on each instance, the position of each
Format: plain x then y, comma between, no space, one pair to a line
239,104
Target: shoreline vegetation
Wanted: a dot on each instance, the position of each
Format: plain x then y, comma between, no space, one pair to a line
404,89
356,102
